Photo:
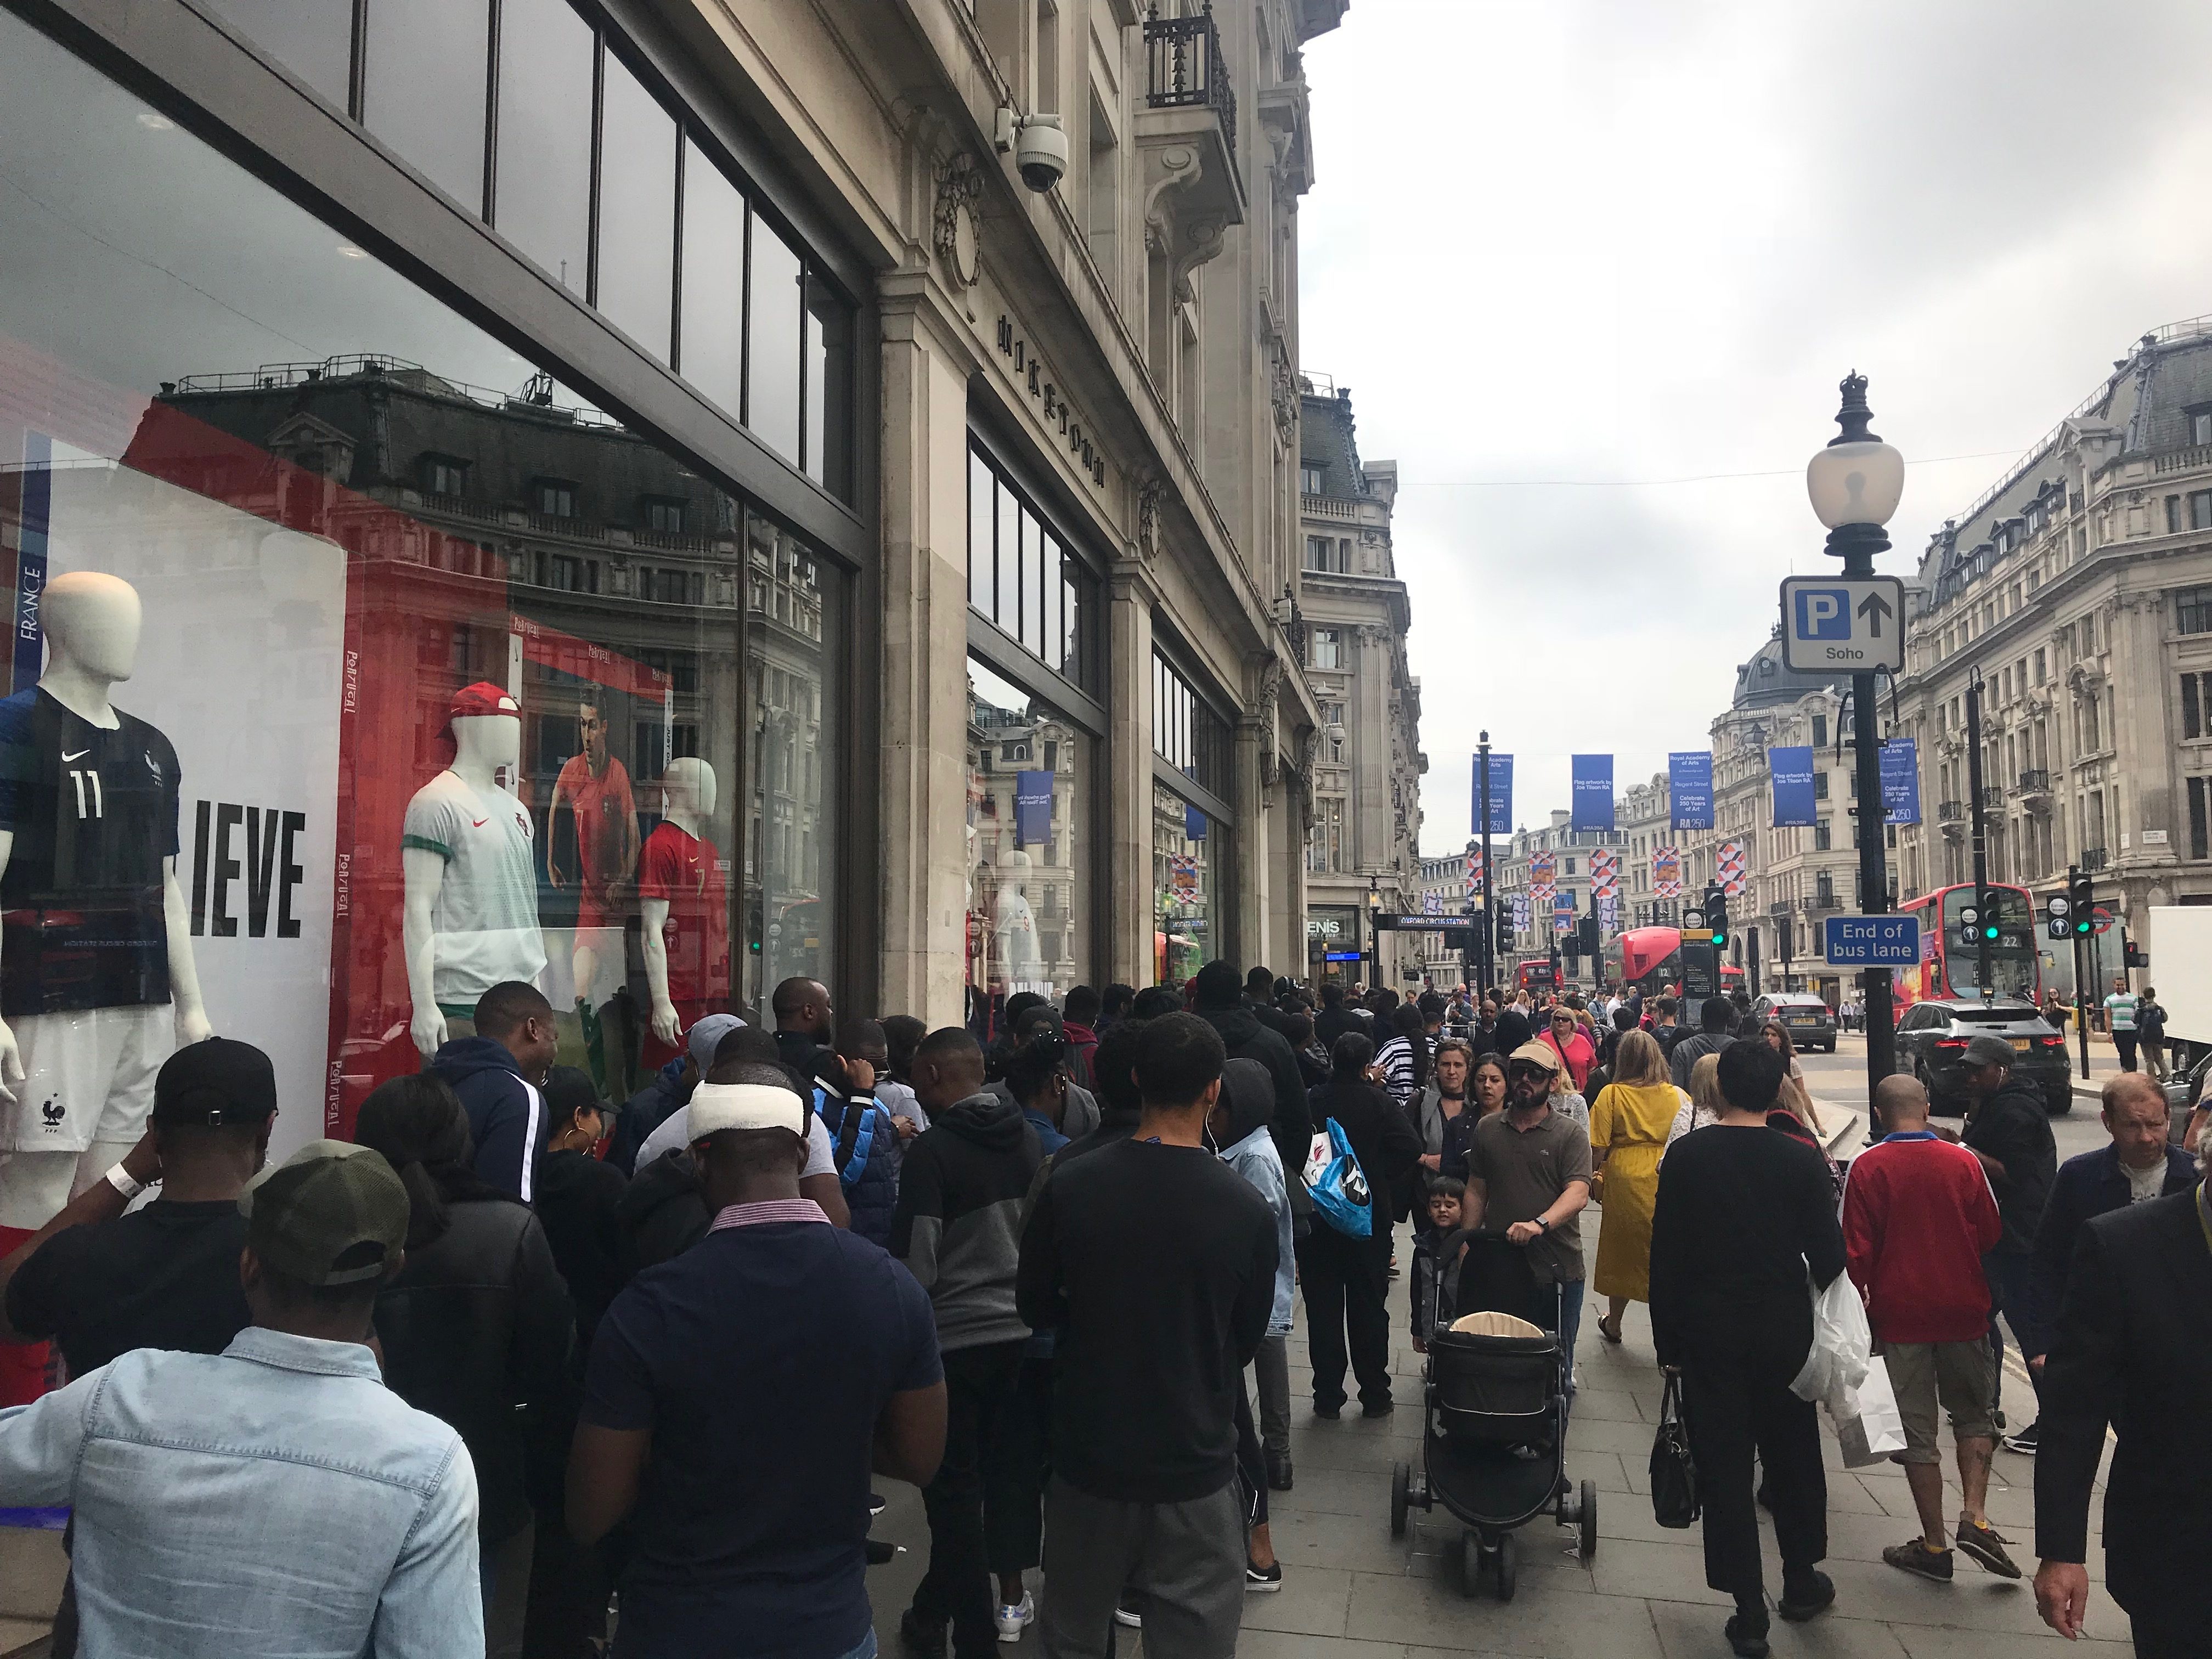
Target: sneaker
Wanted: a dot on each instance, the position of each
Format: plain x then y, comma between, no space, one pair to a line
1378,1408
1746,1635
875,1504
1013,1620
919,1636
1125,1614
1328,1413
1278,1471
2023,1442
1259,1583
1914,1555
1815,1592
1987,1545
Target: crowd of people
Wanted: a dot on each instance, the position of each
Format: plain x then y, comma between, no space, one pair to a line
516,1369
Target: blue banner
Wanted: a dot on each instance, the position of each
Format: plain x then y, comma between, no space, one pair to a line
1501,795
1900,781
1590,791
1562,913
1793,786
1032,808
1690,789
1193,822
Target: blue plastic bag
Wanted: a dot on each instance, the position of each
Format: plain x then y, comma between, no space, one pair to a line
1340,1192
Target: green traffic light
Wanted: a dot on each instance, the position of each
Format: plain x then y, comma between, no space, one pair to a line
1990,932
1720,940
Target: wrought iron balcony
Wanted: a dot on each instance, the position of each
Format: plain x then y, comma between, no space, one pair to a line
2093,858
1184,68
1992,796
2034,789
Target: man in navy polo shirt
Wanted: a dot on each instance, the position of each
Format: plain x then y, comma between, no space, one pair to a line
737,1398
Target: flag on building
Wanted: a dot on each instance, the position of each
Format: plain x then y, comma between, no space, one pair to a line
1667,871
1731,867
1605,873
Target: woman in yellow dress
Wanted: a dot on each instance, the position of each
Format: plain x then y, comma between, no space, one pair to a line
1629,1123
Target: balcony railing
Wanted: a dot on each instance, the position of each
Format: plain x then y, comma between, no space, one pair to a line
1951,811
2036,781
1992,796
2093,858
1184,67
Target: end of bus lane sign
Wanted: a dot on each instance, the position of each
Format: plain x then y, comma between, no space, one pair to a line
1890,941
1830,624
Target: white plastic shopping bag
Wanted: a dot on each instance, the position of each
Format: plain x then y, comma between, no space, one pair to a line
1877,1429
1843,1348
1318,1158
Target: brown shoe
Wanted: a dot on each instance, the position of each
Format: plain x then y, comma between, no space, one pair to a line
1985,1543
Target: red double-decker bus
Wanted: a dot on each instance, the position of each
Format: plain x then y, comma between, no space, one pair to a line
1948,962
1648,960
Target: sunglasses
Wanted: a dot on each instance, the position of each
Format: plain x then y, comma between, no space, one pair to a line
1525,1072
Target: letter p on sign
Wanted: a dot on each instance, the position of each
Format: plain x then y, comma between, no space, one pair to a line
1824,613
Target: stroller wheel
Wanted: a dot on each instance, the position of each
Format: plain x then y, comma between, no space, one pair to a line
1400,1476
1588,1517
1505,1566
1470,1564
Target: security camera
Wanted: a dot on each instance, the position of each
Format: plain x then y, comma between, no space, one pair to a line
1041,152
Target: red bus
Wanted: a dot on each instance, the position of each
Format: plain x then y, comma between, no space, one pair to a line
1947,964
1648,960
1535,975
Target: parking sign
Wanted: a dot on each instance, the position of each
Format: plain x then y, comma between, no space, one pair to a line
1829,625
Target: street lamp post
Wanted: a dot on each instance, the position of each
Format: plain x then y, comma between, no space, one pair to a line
1374,933
1854,483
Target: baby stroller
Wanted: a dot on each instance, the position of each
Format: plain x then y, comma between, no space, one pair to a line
1494,1417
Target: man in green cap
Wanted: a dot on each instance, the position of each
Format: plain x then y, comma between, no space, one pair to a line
275,1499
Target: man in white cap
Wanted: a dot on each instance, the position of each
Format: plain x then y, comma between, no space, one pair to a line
751,1495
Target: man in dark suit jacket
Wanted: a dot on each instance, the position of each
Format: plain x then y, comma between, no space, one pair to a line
2133,1347
2140,1164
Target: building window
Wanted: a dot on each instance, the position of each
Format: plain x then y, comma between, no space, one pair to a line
1022,576
1328,555
444,476
1309,481
2042,666
2192,610
1821,834
1325,649
2200,509
1187,732
567,573
2196,704
1325,850
556,499
663,517
2200,819
1820,731
1820,784
2200,426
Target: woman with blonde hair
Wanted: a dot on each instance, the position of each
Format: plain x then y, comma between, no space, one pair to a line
1629,1125
1704,1105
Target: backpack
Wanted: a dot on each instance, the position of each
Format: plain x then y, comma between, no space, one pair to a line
854,1143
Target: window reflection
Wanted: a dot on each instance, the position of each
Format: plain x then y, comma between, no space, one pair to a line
422,88
637,209
713,331
543,191
1028,847
1186,842
772,362
313,39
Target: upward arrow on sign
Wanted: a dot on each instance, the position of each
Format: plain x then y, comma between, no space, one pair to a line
1872,609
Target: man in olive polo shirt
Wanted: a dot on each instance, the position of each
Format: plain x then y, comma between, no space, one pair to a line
1529,1171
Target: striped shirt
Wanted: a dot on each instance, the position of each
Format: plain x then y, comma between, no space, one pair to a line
1395,1057
768,1210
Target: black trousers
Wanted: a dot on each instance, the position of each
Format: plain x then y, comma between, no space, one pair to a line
979,1382
1343,1280
1017,1463
2125,1042
1736,1401
1251,1464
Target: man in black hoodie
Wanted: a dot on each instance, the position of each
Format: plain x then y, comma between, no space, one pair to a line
1220,1003
1334,1020
957,1227
497,1073
805,1024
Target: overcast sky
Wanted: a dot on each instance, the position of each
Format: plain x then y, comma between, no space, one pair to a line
1597,240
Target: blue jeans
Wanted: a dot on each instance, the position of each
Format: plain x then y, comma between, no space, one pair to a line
864,1649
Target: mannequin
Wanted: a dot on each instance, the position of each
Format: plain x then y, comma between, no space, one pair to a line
1017,923
97,980
470,916
683,901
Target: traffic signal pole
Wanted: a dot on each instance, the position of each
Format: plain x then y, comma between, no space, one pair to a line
1985,963
1489,891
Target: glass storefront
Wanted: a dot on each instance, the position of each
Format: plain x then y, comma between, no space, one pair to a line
436,675
1190,845
1030,806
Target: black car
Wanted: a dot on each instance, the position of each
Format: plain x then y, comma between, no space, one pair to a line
1808,1019
1932,1038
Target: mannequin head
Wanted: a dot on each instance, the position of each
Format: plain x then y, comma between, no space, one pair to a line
91,621
489,741
688,789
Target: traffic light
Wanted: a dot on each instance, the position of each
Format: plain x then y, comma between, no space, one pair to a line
2081,904
1586,936
1717,916
1505,928
1988,906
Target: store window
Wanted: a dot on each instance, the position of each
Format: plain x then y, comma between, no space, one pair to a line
762,329
1031,804
1022,577
1187,885
414,722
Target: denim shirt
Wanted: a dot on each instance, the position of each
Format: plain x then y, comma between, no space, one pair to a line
272,1499
1255,1158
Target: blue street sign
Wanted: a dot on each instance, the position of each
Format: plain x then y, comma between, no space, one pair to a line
1872,941
1341,956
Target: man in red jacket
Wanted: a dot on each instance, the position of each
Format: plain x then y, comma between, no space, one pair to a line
1918,1215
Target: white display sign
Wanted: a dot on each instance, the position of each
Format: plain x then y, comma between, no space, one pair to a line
1830,624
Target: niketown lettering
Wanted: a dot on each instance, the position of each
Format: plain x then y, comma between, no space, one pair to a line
264,856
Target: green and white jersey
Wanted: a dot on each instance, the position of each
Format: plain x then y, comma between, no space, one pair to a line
486,916
2121,1007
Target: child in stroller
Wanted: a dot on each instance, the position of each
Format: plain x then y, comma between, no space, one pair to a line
1494,1413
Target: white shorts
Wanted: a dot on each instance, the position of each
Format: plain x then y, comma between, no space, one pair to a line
88,1075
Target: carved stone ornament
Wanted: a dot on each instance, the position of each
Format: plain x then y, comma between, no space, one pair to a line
1271,756
1148,517
959,187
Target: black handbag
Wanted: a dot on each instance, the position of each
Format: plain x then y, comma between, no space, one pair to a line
1674,1471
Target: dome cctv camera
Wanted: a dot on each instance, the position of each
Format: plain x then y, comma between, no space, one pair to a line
1041,152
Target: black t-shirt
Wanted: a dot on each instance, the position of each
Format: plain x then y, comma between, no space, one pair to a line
1157,1266
162,1277
94,816
2013,1126
578,1203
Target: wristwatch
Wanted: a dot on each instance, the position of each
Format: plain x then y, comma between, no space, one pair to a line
1545,1224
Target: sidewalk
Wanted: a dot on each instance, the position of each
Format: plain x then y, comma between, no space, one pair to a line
1351,1593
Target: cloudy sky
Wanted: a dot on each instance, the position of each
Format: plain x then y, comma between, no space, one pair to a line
1559,251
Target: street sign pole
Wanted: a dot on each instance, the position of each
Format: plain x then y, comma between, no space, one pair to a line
1985,966
2080,985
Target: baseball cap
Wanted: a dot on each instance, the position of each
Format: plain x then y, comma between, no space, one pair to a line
1988,1051
484,697
1537,1054
718,1106
332,1213
707,1034
217,1081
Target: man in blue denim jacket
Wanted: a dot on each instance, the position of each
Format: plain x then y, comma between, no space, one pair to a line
1244,1121
275,1499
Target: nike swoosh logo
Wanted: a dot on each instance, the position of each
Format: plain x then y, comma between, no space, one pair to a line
80,753
479,822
